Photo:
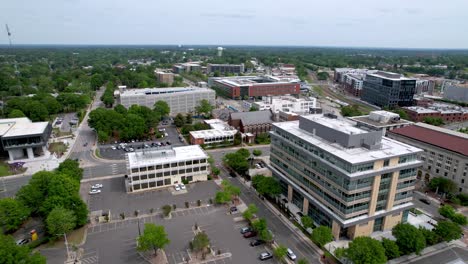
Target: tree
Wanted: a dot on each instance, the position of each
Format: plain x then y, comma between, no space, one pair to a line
257,152
153,237
322,235
237,162
266,185
266,235
60,221
189,118
71,168
204,107
166,210
402,113
222,197
391,248
16,113
448,230
259,225
280,252
251,210
12,214
263,138
435,121
200,242
322,75
12,253
409,238
307,222
363,250
351,110
443,185
450,213
431,237
179,120
253,109
162,108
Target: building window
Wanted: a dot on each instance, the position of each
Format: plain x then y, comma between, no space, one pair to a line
158,167
189,162
160,183
181,163
189,178
174,172
143,169
159,174
182,171
151,175
166,165
173,165
152,184
151,168
134,170
144,177
167,173
167,181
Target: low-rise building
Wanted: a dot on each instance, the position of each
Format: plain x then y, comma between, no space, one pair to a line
445,151
381,121
186,67
165,77
225,68
219,133
291,104
425,86
179,99
351,179
448,113
23,139
165,166
456,92
255,123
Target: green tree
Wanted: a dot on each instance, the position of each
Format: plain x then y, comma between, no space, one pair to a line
448,230
11,253
435,121
364,250
204,108
442,185
153,237
263,138
251,210
166,210
189,118
179,120
257,152
259,225
222,197
409,238
391,248
253,109
307,222
200,242
351,110
266,235
266,185
161,108
280,252
431,237
16,113
402,113
60,221
34,193
322,235
237,162
449,212
71,168
12,214
322,76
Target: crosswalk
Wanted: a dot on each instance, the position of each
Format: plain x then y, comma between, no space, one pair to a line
90,257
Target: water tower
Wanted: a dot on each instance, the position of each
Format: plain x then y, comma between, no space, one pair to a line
220,51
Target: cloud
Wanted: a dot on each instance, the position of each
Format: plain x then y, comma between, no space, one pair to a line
413,11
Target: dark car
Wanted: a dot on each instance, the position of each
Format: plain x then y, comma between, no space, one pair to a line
265,255
233,209
232,174
424,200
168,143
250,234
85,144
257,242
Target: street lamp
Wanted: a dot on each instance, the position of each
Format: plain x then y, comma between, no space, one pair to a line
66,244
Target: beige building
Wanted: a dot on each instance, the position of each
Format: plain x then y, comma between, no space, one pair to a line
165,77
445,151
356,181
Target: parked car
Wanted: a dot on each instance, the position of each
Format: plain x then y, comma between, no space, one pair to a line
94,191
424,200
97,186
85,144
176,187
22,241
291,254
233,209
265,255
245,229
250,234
113,147
257,242
168,143
182,186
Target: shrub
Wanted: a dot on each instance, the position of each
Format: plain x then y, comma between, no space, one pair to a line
166,210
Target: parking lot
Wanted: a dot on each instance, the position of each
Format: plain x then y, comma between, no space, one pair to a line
220,227
107,152
114,190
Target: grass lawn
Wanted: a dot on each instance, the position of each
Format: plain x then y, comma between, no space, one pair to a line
4,170
58,148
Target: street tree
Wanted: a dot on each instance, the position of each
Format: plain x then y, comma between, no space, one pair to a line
257,152
189,118
222,197
161,108
251,210
153,237
409,238
280,252
430,236
12,214
322,235
444,185
266,235
71,168
266,185
166,210
391,248
302,261
237,162
204,108
307,222
12,253
448,230
363,250
179,120
60,221
259,225
200,242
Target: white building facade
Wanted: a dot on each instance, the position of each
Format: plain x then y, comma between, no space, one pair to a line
286,104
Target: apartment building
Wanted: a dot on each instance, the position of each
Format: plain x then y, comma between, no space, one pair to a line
354,180
179,99
226,68
445,151
446,113
286,104
382,121
164,77
353,83
386,89
162,167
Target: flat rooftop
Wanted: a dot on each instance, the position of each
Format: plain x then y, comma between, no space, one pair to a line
165,155
211,133
16,127
389,147
421,110
156,91
366,120
390,76
252,80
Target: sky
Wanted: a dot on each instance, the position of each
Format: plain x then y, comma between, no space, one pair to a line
344,23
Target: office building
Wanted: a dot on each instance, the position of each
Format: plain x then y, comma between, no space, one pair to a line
339,75
425,86
241,87
353,180
165,166
387,89
219,133
456,92
23,139
186,67
225,68
255,123
448,113
382,121
445,151
286,103
164,77
179,99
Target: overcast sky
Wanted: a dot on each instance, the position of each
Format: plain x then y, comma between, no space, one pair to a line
351,23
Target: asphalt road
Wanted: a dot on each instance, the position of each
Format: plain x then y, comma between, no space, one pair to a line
432,208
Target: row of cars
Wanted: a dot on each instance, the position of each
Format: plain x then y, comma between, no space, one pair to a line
96,188
129,148
179,187
249,232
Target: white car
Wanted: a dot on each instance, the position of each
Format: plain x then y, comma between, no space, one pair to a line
96,186
176,187
182,186
291,254
94,191
114,147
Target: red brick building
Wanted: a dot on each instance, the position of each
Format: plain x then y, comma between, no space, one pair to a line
257,122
